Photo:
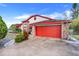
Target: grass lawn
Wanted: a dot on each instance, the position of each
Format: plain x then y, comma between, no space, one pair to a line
76,36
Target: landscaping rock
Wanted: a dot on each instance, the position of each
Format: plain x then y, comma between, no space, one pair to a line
6,42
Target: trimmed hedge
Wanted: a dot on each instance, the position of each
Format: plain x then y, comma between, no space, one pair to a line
19,38
18,30
3,28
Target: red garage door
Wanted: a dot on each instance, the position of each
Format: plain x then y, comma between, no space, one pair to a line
49,31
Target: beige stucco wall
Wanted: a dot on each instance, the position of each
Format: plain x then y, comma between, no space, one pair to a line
25,26
38,19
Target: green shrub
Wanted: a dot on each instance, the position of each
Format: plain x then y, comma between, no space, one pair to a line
18,30
3,28
75,26
19,38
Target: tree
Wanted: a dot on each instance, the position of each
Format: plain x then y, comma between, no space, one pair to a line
75,25
75,11
3,28
65,16
75,22
14,28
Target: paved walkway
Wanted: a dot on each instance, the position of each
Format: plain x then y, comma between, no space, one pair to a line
40,47
8,40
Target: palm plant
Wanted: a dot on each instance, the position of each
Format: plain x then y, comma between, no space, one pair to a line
75,11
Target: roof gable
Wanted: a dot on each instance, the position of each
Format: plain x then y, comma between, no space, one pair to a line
44,17
27,20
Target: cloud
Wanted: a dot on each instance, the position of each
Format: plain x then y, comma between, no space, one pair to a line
9,23
55,15
24,16
68,13
3,5
52,15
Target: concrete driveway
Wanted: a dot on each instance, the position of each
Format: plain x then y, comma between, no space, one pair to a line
40,47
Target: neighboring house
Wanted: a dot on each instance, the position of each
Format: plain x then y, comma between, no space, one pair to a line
46,27
18,25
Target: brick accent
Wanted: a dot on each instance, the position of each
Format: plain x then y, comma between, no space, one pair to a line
65,30
33,31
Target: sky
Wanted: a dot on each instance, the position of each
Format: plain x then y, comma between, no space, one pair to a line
13,13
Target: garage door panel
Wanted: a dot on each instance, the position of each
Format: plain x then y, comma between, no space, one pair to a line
49,31
40,31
